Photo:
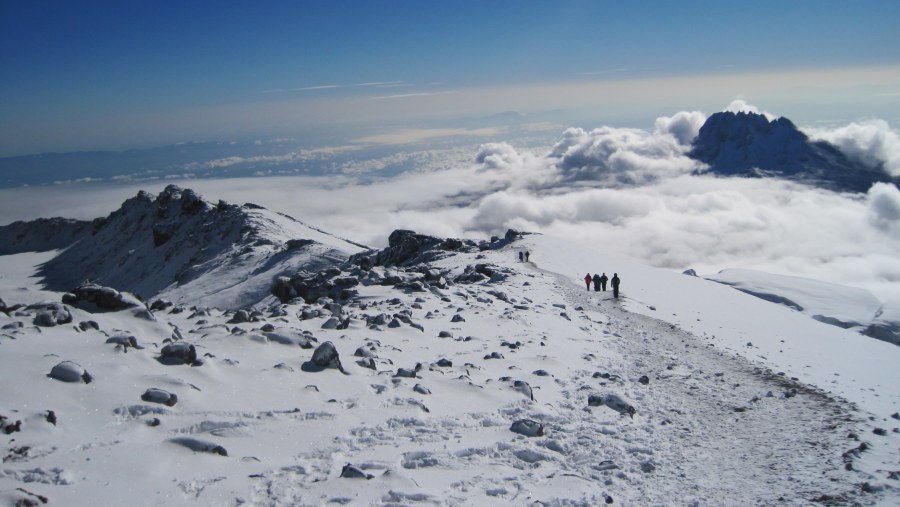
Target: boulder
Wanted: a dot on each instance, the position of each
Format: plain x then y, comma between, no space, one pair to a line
326,356
528,428
178,353
154,395
93,297
50,314
67,371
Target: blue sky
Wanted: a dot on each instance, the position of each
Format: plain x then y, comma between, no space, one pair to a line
82,75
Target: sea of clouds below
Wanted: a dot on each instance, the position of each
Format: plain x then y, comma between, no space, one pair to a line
627,190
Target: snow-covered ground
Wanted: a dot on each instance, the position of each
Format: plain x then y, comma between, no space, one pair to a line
737,401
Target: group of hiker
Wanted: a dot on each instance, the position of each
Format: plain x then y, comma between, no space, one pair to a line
599,282
523,256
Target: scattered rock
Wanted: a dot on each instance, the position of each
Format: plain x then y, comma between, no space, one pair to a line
644,379
178,353
154,395
88,324
125,341
11,428
67,371
325,356
92,297
51,417
444,363
50,314
351,472
524,388
363,352
528,428
197,445
612,401
367,362
419,388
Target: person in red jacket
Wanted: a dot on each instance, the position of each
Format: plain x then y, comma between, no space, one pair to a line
587,281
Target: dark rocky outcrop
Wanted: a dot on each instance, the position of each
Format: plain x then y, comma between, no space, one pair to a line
408,247
329,283
92,297
749,145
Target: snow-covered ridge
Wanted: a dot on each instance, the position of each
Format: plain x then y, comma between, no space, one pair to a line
847,307
179,246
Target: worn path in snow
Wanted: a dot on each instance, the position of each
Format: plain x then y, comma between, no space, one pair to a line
725,431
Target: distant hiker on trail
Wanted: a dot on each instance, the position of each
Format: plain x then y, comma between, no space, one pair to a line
603,280
527,255
521,256
615,284
587,281
596,281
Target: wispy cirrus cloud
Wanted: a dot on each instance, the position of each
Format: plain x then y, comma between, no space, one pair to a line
372,84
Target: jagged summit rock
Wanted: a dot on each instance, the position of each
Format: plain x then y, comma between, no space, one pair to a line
182,247
750,145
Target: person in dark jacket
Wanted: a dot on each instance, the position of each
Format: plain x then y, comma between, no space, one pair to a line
596,280
527,256
521,256
587,281
603,280
615,285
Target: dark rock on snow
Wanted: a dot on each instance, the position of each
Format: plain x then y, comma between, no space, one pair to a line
91,297
67,371
178,353
528,428
154,395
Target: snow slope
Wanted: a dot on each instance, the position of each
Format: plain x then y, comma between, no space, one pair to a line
180,247
457,365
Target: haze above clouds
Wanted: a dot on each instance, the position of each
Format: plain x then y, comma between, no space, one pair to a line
97,75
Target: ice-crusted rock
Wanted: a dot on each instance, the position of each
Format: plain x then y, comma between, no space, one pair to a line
178,353
50,314
68,371
353,472
125,340
612,401
154,395
93,297
528,428
198,445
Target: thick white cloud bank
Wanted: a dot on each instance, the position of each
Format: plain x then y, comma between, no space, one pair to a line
629,191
